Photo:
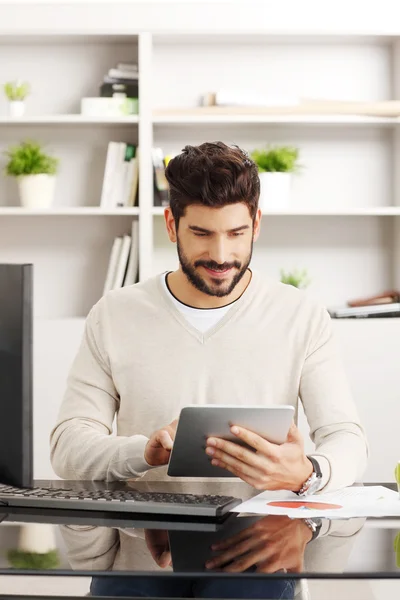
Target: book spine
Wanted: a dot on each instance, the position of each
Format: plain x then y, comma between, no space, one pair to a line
109,171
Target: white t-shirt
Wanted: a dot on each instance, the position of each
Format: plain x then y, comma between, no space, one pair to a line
202,319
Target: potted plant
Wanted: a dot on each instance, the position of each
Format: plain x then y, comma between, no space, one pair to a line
35,172
275,167
16,92
36,548
397,477
298,279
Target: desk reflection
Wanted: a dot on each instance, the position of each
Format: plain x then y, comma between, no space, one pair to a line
227,563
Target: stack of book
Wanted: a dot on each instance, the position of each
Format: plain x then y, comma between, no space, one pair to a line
122,81
160,161
118,94
123,264
121,176
381,305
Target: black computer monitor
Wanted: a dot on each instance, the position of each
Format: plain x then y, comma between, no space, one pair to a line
16,402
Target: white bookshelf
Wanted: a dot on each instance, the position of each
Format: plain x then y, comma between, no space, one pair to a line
188,118
66,211
348,177
384,211
76,119
334,226
342,225
70,243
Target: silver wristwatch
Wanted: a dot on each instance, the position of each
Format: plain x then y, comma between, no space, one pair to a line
313,483
315,526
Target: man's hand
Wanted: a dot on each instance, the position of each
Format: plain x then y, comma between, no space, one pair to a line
159,446
272,544
267,467
158,544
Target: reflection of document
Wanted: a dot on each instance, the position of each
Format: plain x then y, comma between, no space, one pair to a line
372,501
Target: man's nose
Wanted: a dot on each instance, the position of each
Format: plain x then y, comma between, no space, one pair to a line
218,251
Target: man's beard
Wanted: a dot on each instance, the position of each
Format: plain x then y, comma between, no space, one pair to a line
200,284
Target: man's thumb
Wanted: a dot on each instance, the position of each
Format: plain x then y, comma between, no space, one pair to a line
294,435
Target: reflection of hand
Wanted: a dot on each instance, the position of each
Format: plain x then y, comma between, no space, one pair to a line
159,446
272,544
158,544
268,466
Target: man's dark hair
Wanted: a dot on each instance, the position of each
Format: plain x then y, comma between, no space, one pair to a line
214,175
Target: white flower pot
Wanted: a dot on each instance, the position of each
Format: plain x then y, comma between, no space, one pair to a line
36,191
37,538
16,108
275,190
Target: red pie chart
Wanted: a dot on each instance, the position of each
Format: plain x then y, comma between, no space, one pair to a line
304,505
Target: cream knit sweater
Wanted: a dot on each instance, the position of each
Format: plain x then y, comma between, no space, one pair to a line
141,360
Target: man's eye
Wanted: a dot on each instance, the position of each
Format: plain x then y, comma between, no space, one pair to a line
200,234
237,233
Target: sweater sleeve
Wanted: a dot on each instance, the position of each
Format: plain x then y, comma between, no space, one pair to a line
335,429
90,548
81,444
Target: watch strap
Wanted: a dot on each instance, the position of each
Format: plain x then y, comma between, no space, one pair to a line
314,478
315,526
316,467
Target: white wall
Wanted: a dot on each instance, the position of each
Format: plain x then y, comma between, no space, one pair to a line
344,16
55,345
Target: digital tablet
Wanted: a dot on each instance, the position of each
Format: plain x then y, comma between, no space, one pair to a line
197,423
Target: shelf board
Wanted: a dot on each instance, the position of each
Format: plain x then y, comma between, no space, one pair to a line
193,119
68,120
158,211
75,211
237,119
374,211
371,211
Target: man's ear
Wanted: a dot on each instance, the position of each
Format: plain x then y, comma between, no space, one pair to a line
257,225
170,224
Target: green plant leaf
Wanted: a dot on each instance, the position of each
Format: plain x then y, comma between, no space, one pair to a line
298,279
282,159
397,473
33,560
16,90
29,159
396,545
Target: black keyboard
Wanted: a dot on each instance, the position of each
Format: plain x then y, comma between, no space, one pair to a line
124,500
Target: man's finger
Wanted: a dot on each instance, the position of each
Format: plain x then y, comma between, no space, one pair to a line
255,483
246,561
171,428
234,552
233,540
171,431
230,449
240,468
294,435
165,559
270,565
255,441
164,439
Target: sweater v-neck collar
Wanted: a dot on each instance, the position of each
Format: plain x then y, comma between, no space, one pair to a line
243,300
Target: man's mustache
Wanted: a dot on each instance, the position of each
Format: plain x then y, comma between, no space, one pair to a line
214,266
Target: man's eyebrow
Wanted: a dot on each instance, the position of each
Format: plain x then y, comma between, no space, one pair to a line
202,230
199,229
241,228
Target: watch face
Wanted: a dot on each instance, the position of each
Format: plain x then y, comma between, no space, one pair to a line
314,486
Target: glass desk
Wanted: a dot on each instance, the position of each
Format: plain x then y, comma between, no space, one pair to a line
117,555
